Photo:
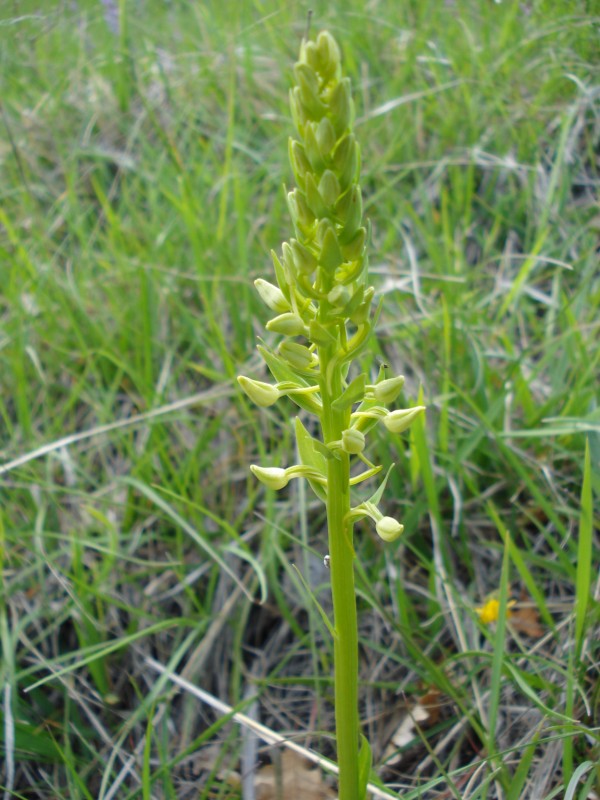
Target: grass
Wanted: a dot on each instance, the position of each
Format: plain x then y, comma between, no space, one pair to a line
140,175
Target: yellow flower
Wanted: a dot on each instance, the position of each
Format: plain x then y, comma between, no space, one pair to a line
490,610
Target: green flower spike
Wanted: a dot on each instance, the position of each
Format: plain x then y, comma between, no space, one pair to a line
323,321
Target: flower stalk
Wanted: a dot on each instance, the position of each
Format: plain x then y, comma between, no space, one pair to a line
322,306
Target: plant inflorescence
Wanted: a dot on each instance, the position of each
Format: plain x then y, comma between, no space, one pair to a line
323,312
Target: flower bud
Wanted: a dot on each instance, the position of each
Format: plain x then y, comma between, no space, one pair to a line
313,197
304,260
297,355
298,160
389,529
340,103
311,148
354,249
398,421
353,441
331,255
329,188
338,296
263,394
308,84
349,211
272,477
301,215
329,55
288,324
388,390
272,296
298,111
326,137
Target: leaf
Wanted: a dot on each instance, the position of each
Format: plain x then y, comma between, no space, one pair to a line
310,456
353,393
376,497
365,761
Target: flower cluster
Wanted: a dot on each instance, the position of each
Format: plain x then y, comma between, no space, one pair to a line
321,300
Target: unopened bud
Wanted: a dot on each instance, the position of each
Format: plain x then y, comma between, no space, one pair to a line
263,394
338,296
272,477
354,249
298,160
389,529
297,355
329,55
331,255
289,324
388,390
400,420
272,296
326,137
304,260
329,188
340,103
353,441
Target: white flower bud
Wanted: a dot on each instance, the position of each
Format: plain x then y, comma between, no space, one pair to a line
398,421
272,296
272,477
353,441
389,529
263,394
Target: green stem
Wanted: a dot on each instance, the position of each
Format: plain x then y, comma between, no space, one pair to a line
341,554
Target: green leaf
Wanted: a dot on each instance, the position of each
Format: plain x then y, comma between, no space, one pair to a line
375,498
353,393
584,551
365,761
310,456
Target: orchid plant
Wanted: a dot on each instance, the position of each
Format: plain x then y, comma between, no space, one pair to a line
322,307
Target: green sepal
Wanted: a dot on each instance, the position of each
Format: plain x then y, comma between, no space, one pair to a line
365,763
353,393
281,371
311,457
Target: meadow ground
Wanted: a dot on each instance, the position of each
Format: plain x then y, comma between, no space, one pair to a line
142,157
